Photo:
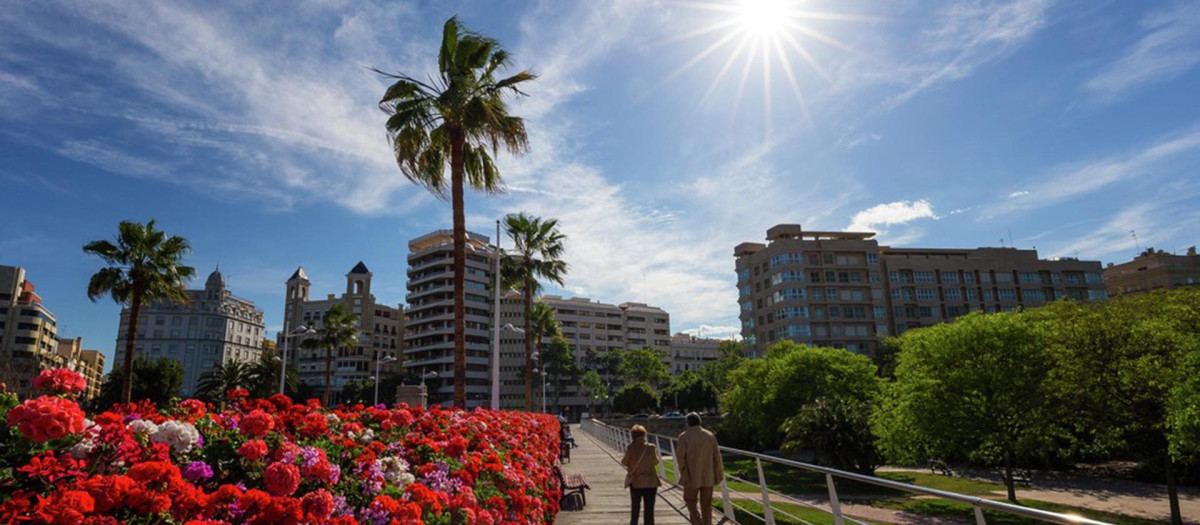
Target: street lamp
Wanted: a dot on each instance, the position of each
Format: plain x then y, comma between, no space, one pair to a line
300,330
383,360
496,360
428,375
544,374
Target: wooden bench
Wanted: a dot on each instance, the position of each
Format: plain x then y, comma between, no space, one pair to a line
573,484
937,466
1021,477
564,452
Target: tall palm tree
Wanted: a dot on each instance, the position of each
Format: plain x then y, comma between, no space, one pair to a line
215,383
144,265
543,325
537,254
454,119
264,375
338,329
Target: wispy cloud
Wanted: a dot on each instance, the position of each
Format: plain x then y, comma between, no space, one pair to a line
969,35
705,331
1169,46
1162,223
1073,180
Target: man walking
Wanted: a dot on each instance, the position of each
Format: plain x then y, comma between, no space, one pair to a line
700,468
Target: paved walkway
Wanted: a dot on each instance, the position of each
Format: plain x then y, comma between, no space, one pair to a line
608,500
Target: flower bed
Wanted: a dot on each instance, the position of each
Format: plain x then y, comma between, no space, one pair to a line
269,461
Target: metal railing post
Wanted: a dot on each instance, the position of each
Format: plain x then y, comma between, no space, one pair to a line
662,469
674,457
834,504
726,506
768,512
979,519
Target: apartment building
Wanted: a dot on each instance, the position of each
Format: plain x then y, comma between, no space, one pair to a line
381,331
89,363
28,332
1153,270
842,289
429,337
213,327
689,353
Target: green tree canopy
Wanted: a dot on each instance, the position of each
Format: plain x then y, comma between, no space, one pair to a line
645,365
457,118
594,387
144,264
717,372
338,329
536,254
159,381
977,389
634,398
690,391
217,382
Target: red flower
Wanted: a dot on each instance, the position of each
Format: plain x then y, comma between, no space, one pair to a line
109,492
253,450
50,468
317,505
256,424
46,418
282,479
60,381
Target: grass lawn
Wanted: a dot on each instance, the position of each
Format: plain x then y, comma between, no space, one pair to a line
954,509
815,517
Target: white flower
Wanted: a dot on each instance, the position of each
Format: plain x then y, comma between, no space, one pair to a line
142,427
395,471
367,437
180,436
82,449
332,419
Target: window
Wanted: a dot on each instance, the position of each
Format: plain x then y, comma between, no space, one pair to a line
874,277
747,306
1006,294
1055,278
748,324
786,258
872,259
923,277
1072,278
907,294
789,294
814,277
828,258
847,260
926,311
743,274
1092,278
815,294
1003,277
818,313
972,295
835,311
953,294
787,277
794,330
792,312
744,292
949,277
1030,277
1097,295
894,276
895,293
879,312
968,277
814,258
1034,295
987,295
926,294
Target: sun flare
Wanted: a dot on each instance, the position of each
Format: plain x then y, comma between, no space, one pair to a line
775,35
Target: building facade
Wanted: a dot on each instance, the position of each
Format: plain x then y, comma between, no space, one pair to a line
429,337
28,332
381,331
689,353
1153,270
89,363
842,289
212,328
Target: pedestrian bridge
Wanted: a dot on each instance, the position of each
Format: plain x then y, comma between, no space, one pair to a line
601,447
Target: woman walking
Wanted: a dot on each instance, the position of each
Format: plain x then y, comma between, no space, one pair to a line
641,460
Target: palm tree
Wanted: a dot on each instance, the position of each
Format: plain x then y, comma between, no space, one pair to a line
338,329
215,383
543,325
456,118
264,375
145,265
537,254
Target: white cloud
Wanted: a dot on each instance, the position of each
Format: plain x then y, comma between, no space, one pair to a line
1018,194
715,332
1070,181
1159,223
1170,46
879,217
969,35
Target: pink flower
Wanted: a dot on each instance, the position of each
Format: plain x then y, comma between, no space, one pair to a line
60,381
46,418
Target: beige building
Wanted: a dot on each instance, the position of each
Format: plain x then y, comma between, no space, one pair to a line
381,331
212,328
842,289
1153,270
689,353
28,332
89,363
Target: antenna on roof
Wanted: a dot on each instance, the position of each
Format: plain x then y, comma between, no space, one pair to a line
1010,239
1138,244
1002,243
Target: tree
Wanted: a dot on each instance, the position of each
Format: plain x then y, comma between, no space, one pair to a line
838,429
561,362
645,365
454,119
215,383
765,393
338,329
978,389
634,398
1125,369
690,391
543,324
144,265
158,381
597,389
537,254
264,376
717,372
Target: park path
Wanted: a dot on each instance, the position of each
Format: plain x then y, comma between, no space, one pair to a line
608,500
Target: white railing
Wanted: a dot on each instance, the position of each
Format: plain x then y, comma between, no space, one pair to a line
619,438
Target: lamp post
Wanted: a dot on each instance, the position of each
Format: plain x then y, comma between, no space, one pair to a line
496,360
300,330
545,408
387,359
428,375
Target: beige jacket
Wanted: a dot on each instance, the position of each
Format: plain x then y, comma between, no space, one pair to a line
699,459
644,474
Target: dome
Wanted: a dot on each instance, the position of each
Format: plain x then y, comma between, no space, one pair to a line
215,279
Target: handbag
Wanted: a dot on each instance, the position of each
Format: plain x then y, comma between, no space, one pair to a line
629,473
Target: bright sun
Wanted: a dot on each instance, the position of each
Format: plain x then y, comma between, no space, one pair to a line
772,34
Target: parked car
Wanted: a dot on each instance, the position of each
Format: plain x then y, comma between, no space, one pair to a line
640,416
672,415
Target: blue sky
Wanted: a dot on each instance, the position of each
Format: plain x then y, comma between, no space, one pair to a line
252,130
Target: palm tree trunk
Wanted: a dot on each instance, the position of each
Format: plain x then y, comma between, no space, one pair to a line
528,343
328,374
457,142
135,308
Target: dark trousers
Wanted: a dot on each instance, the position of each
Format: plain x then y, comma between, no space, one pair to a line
642,498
